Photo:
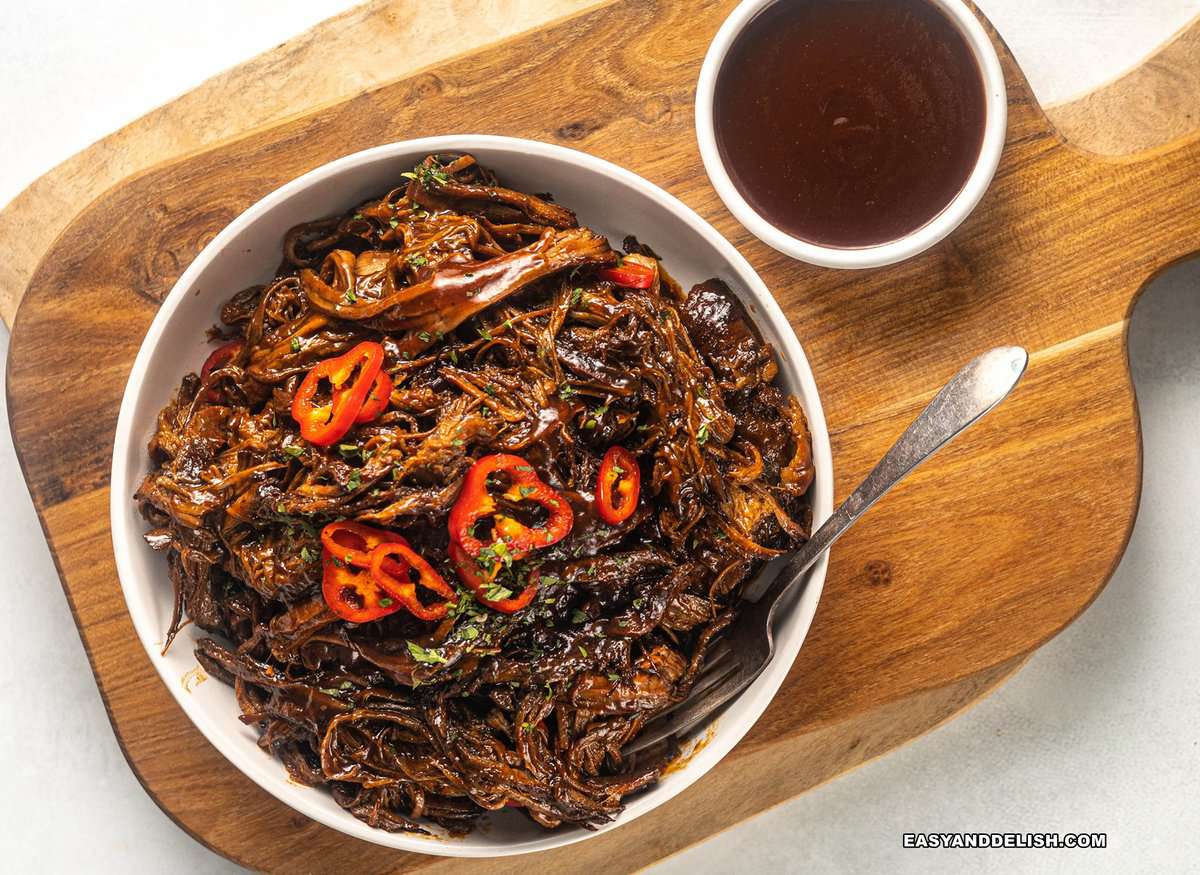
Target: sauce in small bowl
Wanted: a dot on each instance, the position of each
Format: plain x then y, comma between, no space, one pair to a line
851,133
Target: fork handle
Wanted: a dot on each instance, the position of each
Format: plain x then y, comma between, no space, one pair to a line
973,391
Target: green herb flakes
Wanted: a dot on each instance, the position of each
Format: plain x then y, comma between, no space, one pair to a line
420,654
494,592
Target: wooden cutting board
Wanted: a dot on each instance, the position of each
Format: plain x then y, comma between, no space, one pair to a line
941,592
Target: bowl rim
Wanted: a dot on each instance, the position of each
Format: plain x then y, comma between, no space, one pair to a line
880,254
127,465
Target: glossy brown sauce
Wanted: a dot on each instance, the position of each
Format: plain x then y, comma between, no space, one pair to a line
849,122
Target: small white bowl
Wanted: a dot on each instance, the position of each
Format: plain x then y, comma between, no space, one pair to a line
607,198
878,255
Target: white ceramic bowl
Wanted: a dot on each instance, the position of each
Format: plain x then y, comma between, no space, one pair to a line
612,200
995,126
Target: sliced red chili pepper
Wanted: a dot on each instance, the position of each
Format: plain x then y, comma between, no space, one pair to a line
617,486
217,359
377,399
481,580
353,594
475,503
403,587
352,542
634,272
325,424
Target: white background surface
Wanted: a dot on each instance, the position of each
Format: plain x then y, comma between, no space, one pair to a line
1098,734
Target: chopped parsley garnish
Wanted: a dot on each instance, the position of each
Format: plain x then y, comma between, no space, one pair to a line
566,390
425,336
583,651
386,603
420,654
424,173
468,632
578,616
702,434
394,222
293,451
614,677
295,344
418,260
576,296
494,592
354,480
484,333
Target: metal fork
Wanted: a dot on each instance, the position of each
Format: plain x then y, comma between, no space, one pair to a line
746,649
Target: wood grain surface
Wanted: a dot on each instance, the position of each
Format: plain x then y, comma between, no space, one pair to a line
940,593
1154,103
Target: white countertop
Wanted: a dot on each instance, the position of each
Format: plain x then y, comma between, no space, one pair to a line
1097,734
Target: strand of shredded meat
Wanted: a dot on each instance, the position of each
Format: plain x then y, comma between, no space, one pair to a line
500,338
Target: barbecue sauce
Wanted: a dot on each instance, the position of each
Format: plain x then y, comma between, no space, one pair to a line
849,122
